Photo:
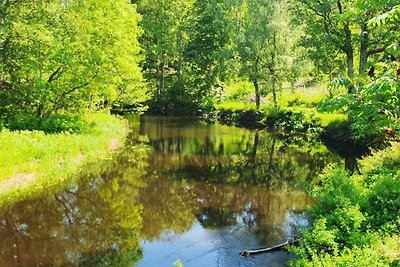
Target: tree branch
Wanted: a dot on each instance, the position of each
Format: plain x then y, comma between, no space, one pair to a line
64,94
375,51
312,8
55,74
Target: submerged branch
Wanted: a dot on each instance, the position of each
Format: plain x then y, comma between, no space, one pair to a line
246,252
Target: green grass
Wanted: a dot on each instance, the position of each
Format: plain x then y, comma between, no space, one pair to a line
324,118
33,160
235,105
303,96
238,89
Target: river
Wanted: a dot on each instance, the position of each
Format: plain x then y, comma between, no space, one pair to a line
179,189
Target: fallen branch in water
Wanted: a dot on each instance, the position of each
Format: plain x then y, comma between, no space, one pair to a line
246,252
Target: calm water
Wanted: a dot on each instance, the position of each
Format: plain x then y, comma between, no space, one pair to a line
179,189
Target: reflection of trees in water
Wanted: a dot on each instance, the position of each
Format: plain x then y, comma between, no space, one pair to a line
246,158
224,176
215,175
166,206
170,205
211,217
94,222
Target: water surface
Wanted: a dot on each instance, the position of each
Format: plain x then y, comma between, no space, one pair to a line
180,189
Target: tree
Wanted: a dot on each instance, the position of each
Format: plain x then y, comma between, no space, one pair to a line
187,52
342,25
263,44
165,35
66,57
207,54
373,109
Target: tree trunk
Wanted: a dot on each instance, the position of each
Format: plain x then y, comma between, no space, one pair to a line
364,41
284,245
257,93
161,81
179,70
274,93
40,110
347,47
350,64
349,51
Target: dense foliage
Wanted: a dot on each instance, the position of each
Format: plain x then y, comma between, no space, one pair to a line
372,101
67,57
355,221
337,32
199,46
356,216
373,109
63,59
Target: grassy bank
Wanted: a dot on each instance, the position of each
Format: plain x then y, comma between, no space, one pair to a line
31,161
356,220
297,108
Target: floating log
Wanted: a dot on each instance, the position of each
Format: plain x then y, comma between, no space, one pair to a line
247,252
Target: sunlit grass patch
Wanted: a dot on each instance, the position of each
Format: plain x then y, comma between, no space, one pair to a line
302,96
235,105
33,158
238,89
390,247
323,118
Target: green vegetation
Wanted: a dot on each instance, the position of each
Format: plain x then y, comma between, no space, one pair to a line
32,160
61,62
374,109
356,217
355,221
66,58
338,32
304,102
263,63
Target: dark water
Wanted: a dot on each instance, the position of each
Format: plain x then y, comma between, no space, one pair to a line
179,189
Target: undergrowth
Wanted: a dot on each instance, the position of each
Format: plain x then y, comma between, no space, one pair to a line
356,220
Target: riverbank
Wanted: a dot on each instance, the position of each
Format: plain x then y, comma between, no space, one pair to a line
32,161
297,108
287,118
356,219
295,121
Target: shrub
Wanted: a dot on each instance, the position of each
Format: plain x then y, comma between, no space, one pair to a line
355,257
372,108
384,203
354,215
291,121
339,200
